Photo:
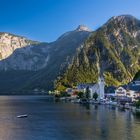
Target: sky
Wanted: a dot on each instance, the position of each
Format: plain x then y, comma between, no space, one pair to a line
46,20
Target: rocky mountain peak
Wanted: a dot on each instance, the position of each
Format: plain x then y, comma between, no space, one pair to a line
123,18
126,23
9,43
82,28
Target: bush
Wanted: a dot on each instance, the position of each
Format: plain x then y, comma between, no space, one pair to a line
137,104
80,94
95,96
64,94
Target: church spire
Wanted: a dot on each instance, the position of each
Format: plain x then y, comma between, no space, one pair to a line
100,81
100,69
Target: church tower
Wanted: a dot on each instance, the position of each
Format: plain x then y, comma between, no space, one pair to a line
101,86
101,83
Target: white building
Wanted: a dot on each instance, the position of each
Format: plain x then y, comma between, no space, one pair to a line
101,84
120,91
131,94
132,90
94,88
98,88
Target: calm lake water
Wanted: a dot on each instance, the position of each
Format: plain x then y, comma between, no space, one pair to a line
64,121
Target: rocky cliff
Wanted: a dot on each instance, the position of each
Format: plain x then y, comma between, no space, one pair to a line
9,43
20,53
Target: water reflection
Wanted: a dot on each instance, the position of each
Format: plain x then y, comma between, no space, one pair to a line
65,121
95,107
86,106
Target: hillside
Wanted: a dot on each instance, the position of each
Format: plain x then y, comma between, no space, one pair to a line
115,47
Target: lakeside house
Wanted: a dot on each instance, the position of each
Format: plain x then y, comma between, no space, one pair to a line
134,88
132,91
120,91
72,92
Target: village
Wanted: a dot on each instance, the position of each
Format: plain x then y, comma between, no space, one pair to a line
124,97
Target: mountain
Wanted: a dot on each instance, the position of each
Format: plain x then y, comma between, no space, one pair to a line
61,53
10,42
75,57
37,65
114,48
19,53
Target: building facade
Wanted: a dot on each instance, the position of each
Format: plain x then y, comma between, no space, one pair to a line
94,88
101,84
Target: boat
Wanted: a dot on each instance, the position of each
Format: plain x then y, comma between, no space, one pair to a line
22,116
75,101
96,102
113,103
108,102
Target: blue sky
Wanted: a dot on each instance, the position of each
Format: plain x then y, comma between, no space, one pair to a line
46,20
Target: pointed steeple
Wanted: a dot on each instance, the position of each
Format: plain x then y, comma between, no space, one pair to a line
100,69
100,81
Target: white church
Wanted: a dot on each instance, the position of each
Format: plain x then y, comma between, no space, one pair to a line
98,88
95,88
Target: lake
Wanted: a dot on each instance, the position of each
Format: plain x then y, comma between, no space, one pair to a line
64,121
